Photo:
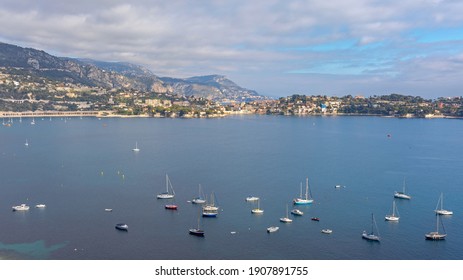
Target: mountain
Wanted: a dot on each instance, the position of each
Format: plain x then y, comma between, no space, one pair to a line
119,75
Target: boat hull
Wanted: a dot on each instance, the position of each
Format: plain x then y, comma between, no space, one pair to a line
299,201
196,232
272,229
401,195
435,236
171,207
122,227
370,237
391,218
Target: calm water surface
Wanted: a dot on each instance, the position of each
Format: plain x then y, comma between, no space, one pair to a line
79,167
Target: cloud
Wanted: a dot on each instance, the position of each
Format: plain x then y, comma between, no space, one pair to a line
272,46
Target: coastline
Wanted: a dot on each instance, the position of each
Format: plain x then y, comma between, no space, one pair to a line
111,114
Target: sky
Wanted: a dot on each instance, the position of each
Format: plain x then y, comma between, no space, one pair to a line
278,48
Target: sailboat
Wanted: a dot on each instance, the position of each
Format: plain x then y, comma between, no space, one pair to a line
372,236
301,200
286,219
197,231
257,210
27,143
435,235
402,193
210,210
33,121
442,211
393,217
136,149
167,194
199,199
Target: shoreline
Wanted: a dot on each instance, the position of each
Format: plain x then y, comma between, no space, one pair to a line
109,114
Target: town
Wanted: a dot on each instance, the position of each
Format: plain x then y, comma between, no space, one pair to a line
29,96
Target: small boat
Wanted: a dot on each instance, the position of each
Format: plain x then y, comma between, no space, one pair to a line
199,199
33,121
124,227
304,200
402,194
108,210
272,229
338,186
441,210
40,206
257,210
171,206
297,212
22,207
196,231
167,194
435,235
27,143
371,236
252,198
286,219
327,231
315,219
393,217
136,149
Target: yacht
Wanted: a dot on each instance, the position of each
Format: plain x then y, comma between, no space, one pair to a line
286,219
252,198
327,231
272,229
167,194
124,227
301,200
40,206
22,207
297,212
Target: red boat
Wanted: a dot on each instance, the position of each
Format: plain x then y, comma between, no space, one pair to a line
171,206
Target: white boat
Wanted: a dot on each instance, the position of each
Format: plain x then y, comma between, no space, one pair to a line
108,210
27,143
436,235
167,194
297,212
402,194
272,229
33,121
22,207
327,231
286,219
257,210
40,206
393,217
136,149
252,198
440,210
372,236
199,199
123,227
210,210
304,200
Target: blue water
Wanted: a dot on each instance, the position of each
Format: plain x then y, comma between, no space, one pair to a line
79,167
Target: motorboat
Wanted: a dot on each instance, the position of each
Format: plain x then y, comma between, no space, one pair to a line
171,206
108,210
272,229
252,198
22,207
123,227
315,219
40,206
327,231
297,212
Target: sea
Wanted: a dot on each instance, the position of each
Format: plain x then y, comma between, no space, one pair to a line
78,167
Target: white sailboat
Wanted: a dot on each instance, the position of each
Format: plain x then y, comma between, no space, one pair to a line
304,200
33,121
393,217
136,149
167,194
286,219
402,194
199,199
441,210
372,236
210,210
435,235
257,210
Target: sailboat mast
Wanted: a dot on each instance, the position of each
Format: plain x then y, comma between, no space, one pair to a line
307,188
